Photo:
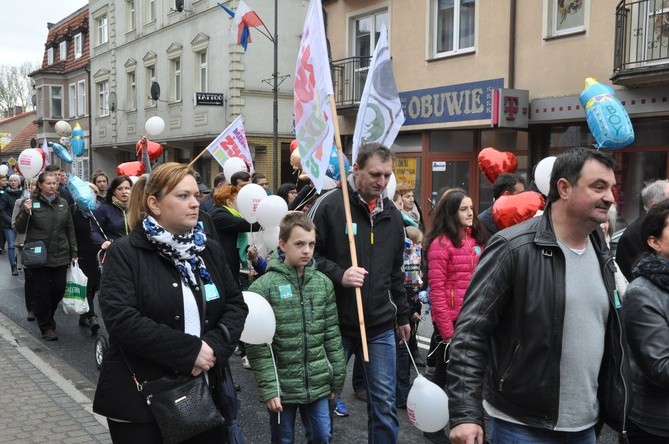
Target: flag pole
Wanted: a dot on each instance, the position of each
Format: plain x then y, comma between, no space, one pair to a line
349,227
190,165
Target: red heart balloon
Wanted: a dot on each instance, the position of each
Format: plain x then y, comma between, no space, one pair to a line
513,209
135,168
493,163
155,150
293,145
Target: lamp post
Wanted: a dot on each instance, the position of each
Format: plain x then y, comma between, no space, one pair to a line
275,107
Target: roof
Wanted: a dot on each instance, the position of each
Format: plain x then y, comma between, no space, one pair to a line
65,30
21,141
18,116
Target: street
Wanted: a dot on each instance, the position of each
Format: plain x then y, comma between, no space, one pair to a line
73,357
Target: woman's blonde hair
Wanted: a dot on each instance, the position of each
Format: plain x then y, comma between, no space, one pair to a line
160,182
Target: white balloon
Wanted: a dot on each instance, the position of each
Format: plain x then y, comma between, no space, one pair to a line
271,210
427,405
30,163
542,174
63,128
155,125
248,199
4,169
270,238
391,187
232,166
260,323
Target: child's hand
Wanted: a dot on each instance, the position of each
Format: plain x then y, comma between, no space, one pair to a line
274,405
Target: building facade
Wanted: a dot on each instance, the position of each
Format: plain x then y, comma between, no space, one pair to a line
474,74
173,59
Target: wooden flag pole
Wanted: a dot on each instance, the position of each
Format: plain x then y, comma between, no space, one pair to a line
349,228
190,165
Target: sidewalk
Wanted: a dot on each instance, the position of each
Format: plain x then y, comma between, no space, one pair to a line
38,403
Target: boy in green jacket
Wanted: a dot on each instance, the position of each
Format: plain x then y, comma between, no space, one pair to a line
307,344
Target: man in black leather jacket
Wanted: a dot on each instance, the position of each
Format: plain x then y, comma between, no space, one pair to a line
539,342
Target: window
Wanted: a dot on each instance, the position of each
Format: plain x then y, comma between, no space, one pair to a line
103,98
366,32
150,78
49,56
132,91
454,26
78,45
150,10
565,17
103,31
81,98
176,80
203,71
130,16
56,102
62,48
72,111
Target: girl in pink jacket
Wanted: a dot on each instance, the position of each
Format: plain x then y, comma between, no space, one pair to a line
454,244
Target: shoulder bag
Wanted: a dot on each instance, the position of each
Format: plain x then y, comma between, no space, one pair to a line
34,253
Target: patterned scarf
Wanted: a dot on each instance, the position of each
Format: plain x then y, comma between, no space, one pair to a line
655,268
182,250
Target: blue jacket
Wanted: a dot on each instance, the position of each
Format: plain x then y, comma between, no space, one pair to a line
112,223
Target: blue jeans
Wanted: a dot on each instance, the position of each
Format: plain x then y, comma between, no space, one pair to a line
315,418
10,235
503,432
380,375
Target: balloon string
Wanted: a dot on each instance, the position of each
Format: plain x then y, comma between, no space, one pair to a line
411,356
276,375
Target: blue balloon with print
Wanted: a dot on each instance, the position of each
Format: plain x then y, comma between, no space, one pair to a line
77,141
81,193
62,152
333,167
607,118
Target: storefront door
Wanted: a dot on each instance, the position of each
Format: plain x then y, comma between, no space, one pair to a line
449,171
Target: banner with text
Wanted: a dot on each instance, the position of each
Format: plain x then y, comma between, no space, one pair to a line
232,143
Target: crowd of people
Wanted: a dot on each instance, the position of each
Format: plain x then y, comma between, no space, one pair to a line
510,308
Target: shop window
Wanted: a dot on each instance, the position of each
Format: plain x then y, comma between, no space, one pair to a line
451,141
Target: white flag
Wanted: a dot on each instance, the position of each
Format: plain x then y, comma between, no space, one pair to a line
314,124
232,143
380,115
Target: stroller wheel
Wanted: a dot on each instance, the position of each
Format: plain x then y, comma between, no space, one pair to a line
101,345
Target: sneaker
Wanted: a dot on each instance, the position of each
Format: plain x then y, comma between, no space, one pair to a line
341,409
245,363
438,437
429,371
15,271
31,316
50,335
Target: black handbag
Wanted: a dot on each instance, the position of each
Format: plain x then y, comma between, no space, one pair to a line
182,405
34,254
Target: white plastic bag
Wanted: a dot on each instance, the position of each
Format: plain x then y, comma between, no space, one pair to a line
74,300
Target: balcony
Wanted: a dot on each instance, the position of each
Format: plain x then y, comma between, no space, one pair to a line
642,43
348,80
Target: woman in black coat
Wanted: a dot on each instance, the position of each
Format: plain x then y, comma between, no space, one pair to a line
646,318
111,218
8,198
151,298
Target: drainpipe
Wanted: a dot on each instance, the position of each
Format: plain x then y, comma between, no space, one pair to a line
90,119
512,46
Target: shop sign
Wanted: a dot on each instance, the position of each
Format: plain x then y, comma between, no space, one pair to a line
438,166
405,171
453,103
511,108
211,99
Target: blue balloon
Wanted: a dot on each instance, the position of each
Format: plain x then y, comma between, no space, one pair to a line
61,152
77,145
333,167
607,118
81,193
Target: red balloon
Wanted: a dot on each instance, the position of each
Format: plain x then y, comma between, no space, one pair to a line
135,168
293,145
514,209
155,150
493,163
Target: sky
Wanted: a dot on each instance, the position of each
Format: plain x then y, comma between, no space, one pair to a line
23,31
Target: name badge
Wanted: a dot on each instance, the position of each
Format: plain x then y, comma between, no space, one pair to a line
37,205
285,292
37,250
477,250
355,229
211,292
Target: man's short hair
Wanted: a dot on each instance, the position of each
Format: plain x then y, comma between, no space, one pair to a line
653,193
569,164
240,175
368,150
52,168
257,176
219,179
294,219
505,182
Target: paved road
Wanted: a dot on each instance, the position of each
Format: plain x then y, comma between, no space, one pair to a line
73,356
